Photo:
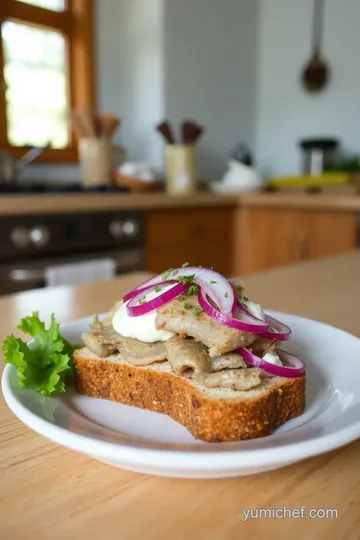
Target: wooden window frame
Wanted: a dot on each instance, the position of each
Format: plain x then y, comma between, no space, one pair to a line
75,23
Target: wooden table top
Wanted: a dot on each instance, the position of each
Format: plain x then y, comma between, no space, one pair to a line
49,492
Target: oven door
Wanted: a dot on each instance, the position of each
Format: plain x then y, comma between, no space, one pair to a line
15,277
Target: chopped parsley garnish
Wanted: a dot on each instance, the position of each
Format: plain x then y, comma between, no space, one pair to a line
167,273
198,311
185,265
186,279
189,280
181,297
175,272
187,306
142,300
213,281
157,288
193,289
226,295
245,299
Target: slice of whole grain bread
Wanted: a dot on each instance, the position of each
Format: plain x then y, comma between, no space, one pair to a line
210,414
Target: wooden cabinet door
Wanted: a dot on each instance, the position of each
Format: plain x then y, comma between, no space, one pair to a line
276,237
329,233
267,239
201,236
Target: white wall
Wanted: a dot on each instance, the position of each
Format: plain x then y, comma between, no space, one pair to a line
285,112
210,73
138,56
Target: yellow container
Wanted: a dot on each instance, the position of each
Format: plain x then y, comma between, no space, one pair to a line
326,179
180,169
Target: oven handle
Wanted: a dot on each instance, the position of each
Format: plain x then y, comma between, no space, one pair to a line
129,261
26,274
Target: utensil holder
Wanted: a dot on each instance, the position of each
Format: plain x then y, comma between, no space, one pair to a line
180,169
96,156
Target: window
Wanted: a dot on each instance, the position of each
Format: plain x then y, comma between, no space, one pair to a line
45,71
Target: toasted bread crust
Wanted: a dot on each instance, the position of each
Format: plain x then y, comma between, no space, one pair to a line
207,418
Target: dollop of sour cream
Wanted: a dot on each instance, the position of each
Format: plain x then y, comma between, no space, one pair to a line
273,358
143,327
257,310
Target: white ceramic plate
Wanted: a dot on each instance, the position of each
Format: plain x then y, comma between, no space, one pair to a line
152,443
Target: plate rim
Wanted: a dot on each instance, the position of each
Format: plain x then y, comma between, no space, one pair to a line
190,458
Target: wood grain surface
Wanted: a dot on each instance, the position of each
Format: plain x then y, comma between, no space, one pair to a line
49,492
269,237
82,202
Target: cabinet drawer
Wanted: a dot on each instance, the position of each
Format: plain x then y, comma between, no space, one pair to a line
179,227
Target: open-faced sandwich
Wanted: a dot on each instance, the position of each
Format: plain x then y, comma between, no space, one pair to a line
189,344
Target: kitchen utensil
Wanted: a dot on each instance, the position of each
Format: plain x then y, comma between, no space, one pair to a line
190,132
96,156
316,73
318,155
11,170
166,131
108,123
180,169
87,122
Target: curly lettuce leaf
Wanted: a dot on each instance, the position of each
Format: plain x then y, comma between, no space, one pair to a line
47,364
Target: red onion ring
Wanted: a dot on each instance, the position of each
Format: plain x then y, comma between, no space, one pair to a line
246,323
153,281
135,309
216,286
277,330
297,369
281,332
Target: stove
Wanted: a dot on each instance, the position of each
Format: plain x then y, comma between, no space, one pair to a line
30,243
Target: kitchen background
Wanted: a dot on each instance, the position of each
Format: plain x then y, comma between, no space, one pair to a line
228,75
233,65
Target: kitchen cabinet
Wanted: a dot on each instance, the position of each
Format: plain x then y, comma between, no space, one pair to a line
201,236
271,237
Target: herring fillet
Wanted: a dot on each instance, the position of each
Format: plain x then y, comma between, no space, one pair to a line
220,339
133,351
187,355
189,358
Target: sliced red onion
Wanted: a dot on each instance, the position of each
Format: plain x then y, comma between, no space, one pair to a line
277,330
244,322
135,309
296,370
216,286
153,281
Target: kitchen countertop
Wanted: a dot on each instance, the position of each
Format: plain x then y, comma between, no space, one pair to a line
50,492
85,202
